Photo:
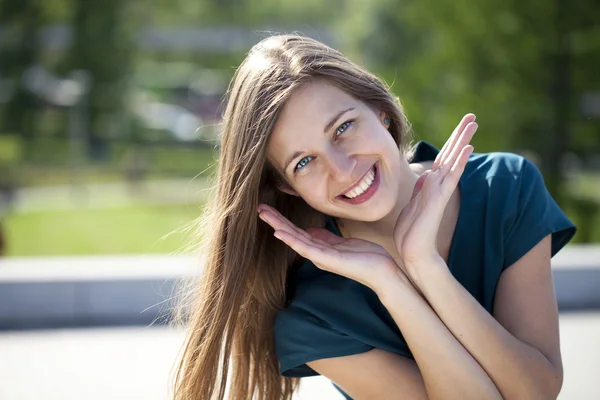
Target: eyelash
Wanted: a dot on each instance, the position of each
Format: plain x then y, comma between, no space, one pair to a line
344,126
347,125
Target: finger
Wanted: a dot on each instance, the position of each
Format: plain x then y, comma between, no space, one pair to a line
271,220
264,207
450,143
463,140
277,223
456,134
280,216
308,240
272,210
322,255
276,220
453,177
419,184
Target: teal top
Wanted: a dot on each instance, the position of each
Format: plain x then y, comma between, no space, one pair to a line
505,210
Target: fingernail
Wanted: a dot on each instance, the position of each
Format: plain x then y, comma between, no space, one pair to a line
261,216
277,235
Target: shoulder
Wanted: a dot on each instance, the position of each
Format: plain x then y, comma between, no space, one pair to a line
504,180
518,198
500,165
512,187
480,167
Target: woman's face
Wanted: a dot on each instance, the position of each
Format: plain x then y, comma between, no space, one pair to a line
337,154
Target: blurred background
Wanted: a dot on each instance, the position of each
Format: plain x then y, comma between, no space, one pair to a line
109,124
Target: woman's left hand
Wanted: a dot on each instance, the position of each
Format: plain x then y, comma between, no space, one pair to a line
417,226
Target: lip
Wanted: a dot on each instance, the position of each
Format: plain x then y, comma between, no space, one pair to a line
359,180
361,198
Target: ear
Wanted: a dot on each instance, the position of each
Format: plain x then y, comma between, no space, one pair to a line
285,188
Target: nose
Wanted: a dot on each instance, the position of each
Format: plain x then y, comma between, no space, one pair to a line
340,165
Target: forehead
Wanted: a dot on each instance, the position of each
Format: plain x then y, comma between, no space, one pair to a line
304,117
316,98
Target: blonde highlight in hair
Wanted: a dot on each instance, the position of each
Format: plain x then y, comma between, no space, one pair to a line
229,315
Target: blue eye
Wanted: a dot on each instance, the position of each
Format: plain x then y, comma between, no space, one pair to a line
342,128
303,163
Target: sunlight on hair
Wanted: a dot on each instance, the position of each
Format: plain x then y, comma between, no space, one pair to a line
258,62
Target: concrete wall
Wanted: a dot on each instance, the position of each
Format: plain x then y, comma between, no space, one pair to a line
139,290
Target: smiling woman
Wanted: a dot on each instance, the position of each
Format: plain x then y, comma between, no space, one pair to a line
395,271
341,153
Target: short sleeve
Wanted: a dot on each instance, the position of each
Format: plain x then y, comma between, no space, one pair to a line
535,215
301,337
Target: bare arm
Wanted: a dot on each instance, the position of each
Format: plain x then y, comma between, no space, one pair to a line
446,368
519,349
442,369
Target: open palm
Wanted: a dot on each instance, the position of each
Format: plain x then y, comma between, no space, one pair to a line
357,259
417,226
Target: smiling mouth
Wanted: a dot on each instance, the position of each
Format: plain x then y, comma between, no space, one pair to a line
364,189
362,186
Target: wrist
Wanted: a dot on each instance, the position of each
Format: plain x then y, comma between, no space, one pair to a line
394,284
422,259
428,271
416,266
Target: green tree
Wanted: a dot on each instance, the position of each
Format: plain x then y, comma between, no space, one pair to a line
104,34
19,50
512,63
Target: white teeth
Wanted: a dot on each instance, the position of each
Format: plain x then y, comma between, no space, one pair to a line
363,185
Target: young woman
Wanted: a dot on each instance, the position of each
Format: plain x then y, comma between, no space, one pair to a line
396,272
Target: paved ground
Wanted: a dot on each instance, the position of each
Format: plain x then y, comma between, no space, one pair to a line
135,363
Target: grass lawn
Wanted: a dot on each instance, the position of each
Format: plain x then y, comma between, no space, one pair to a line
127,230
130,230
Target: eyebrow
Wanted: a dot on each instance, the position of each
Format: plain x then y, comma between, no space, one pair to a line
289,160
335,118
328,126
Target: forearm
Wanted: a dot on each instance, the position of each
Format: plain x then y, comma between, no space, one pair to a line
448,370
518,370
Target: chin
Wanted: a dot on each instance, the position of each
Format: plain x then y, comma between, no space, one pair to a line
372,211
377,213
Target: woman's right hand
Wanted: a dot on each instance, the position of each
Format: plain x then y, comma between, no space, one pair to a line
360,260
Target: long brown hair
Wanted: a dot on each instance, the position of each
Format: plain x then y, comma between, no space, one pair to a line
229,314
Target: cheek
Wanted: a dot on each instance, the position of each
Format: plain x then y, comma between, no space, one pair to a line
382,145
375,138
313,191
